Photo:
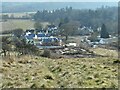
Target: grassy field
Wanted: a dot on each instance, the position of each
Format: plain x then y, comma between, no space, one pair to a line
105,52
35,72
14,24
17,23
18,14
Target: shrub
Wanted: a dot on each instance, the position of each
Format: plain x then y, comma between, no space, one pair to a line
24,48
6,45
47,53
18,32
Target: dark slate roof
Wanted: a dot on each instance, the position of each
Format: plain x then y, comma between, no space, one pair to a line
41,35
55,39
47,35
50,39
47,40
30,36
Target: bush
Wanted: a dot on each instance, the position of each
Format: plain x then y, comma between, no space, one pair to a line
6,32
24,48
6,45
47,53
18,32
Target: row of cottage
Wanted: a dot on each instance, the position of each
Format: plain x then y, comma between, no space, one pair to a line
46,37
42,38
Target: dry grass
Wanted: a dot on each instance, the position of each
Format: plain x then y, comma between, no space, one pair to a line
18,14
36,72
14,24
105,52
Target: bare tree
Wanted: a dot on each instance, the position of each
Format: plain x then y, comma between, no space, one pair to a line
6,45
69,28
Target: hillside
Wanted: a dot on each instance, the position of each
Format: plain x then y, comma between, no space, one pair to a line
62,48
36,72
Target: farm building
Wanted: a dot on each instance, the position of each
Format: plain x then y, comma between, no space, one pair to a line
103,41
85,31
29,38
108,40
42,39
52,29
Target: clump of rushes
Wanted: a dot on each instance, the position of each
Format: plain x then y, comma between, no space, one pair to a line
48,77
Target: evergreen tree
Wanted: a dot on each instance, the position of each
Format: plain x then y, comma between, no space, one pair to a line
104,33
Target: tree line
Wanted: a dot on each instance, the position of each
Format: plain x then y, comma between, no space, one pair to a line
86,17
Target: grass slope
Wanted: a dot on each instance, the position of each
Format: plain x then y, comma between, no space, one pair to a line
36,72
